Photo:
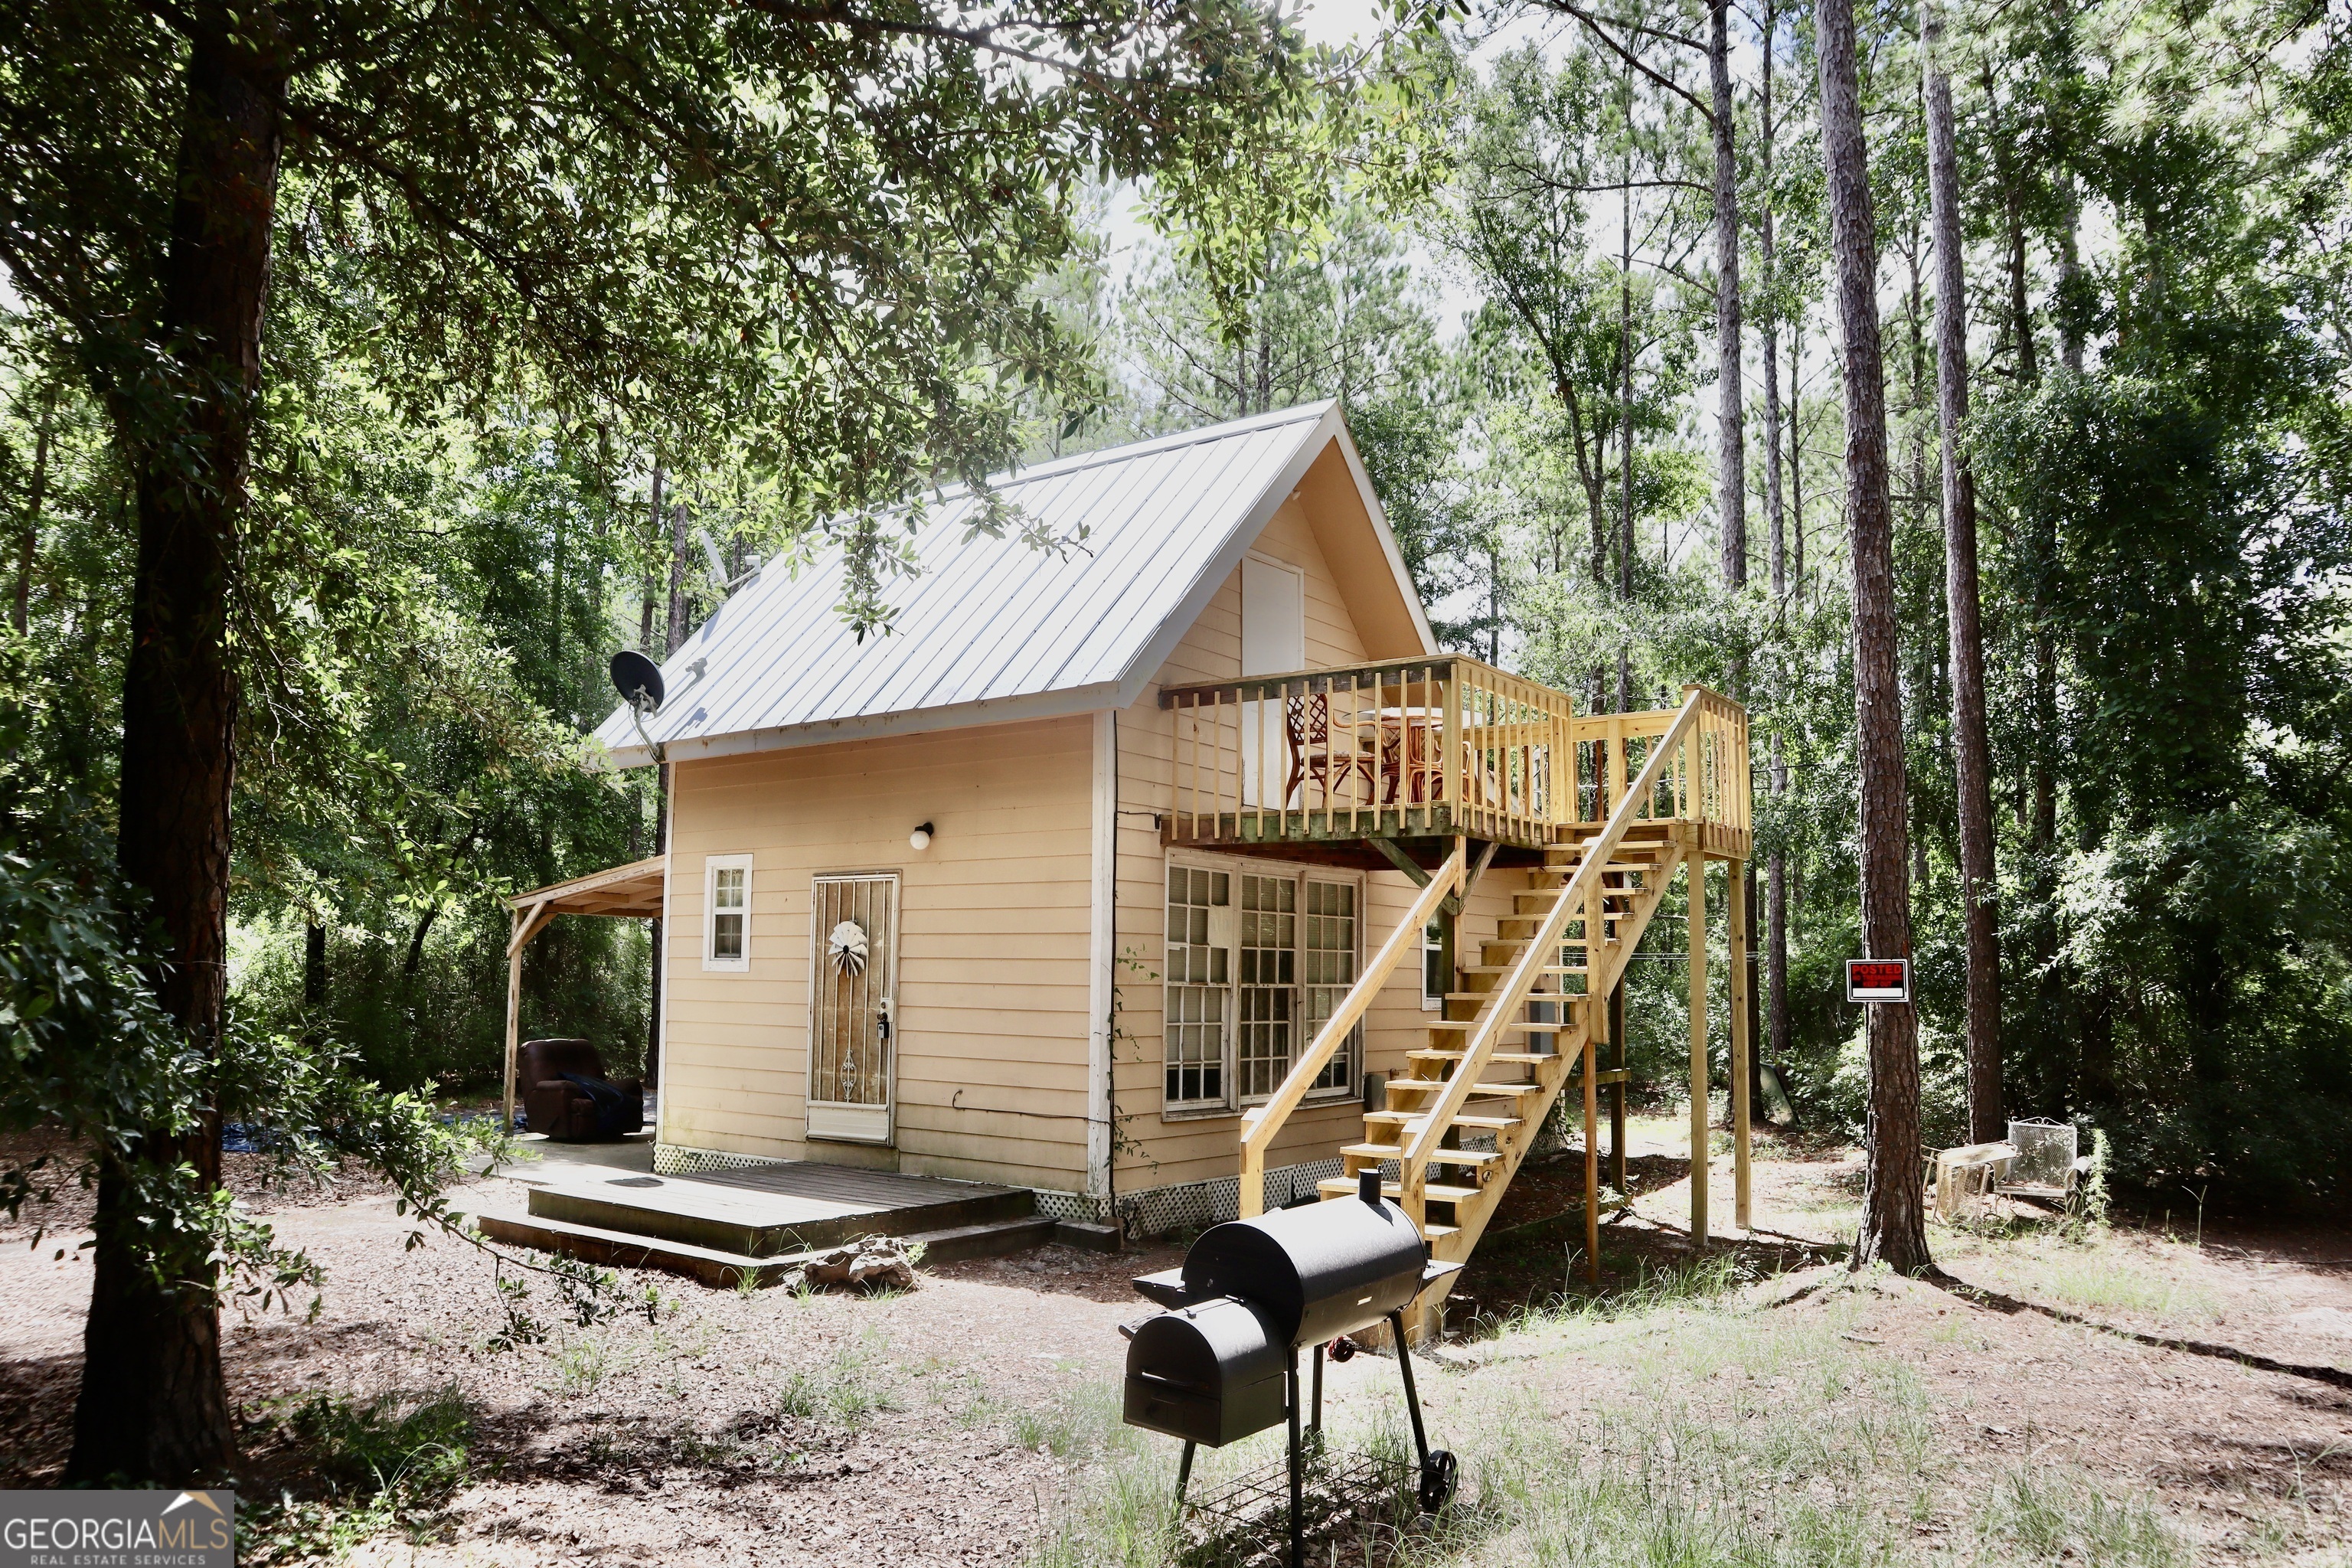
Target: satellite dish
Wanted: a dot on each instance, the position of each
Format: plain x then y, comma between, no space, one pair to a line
637,681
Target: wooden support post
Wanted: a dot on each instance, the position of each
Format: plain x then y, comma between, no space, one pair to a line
1596,1024
526,923
1736,900
514,1010
1615,1014
1592,1150
1696,861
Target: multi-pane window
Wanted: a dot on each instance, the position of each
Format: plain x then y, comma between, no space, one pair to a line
1268,1002
1327,962
1257,960
726,912
1435,982
1200,979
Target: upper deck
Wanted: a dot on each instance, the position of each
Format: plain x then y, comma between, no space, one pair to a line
1320,764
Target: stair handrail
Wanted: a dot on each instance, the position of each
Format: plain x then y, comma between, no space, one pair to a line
1413,1175
1260,1123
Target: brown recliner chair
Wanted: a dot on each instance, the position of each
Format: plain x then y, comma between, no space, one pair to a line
566,1111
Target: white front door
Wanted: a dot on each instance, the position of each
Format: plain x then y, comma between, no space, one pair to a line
1274,642
853,979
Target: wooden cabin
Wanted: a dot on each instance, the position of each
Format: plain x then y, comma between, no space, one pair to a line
1169,872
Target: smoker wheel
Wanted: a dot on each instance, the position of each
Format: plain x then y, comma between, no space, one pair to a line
1438,1474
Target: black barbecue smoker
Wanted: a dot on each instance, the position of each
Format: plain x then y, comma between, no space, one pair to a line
1222,1362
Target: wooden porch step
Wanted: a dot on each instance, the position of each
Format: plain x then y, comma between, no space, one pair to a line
1522,1027
1477,1091
1402,1120
1507,968
1490,1092
1345,1187
1535,996
1643,855
1516,1058
1473,1158
1533,906
1541,881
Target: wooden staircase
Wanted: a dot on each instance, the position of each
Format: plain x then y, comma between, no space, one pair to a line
1540,1050
1518,1026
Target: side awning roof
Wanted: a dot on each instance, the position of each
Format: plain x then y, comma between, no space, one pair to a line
634,889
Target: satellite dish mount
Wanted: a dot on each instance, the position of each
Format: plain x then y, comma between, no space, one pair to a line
639,682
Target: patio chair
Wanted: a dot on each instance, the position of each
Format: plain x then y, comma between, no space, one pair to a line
1314,754
566,1095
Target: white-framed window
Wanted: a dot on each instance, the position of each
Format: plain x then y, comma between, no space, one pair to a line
1258,956
726,912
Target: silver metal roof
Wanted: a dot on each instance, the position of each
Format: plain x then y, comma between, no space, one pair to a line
989,628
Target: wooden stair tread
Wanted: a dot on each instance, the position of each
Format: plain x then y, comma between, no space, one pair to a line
1490,1089
1532,1028
1436,1192
1405,1118
1434,1053
1441,1156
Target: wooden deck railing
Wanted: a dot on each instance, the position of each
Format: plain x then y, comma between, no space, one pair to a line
1439,746
1706,782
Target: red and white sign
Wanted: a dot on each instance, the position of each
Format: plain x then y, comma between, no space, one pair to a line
1878,980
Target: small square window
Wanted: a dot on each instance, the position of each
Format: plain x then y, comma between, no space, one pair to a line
727,914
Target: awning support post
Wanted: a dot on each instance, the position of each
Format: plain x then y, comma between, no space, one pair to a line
514,1015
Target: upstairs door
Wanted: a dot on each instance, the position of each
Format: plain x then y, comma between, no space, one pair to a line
853,977
1274,642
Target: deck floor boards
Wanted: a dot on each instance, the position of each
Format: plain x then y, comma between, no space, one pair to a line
849,1185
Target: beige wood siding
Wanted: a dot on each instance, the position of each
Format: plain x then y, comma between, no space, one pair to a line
1155,1150
994,919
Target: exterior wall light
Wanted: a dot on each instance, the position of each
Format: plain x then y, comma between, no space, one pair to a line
921,838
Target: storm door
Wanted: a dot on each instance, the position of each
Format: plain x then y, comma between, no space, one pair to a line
853,1048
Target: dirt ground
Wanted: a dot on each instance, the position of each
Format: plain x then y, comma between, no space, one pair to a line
952,1423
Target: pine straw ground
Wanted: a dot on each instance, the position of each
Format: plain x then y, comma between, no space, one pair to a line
2059,1400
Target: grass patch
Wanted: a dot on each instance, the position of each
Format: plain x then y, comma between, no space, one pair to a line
1076,1424
380,1461
2102,1272
2054,1516
1702,1281
581,1367
849,1390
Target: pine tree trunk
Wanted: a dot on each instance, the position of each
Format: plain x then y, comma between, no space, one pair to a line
314,965
1797,456
1730,424
1893,1228
1625,404
1775,1033
1972,766
154,1406
2070,274
29,538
